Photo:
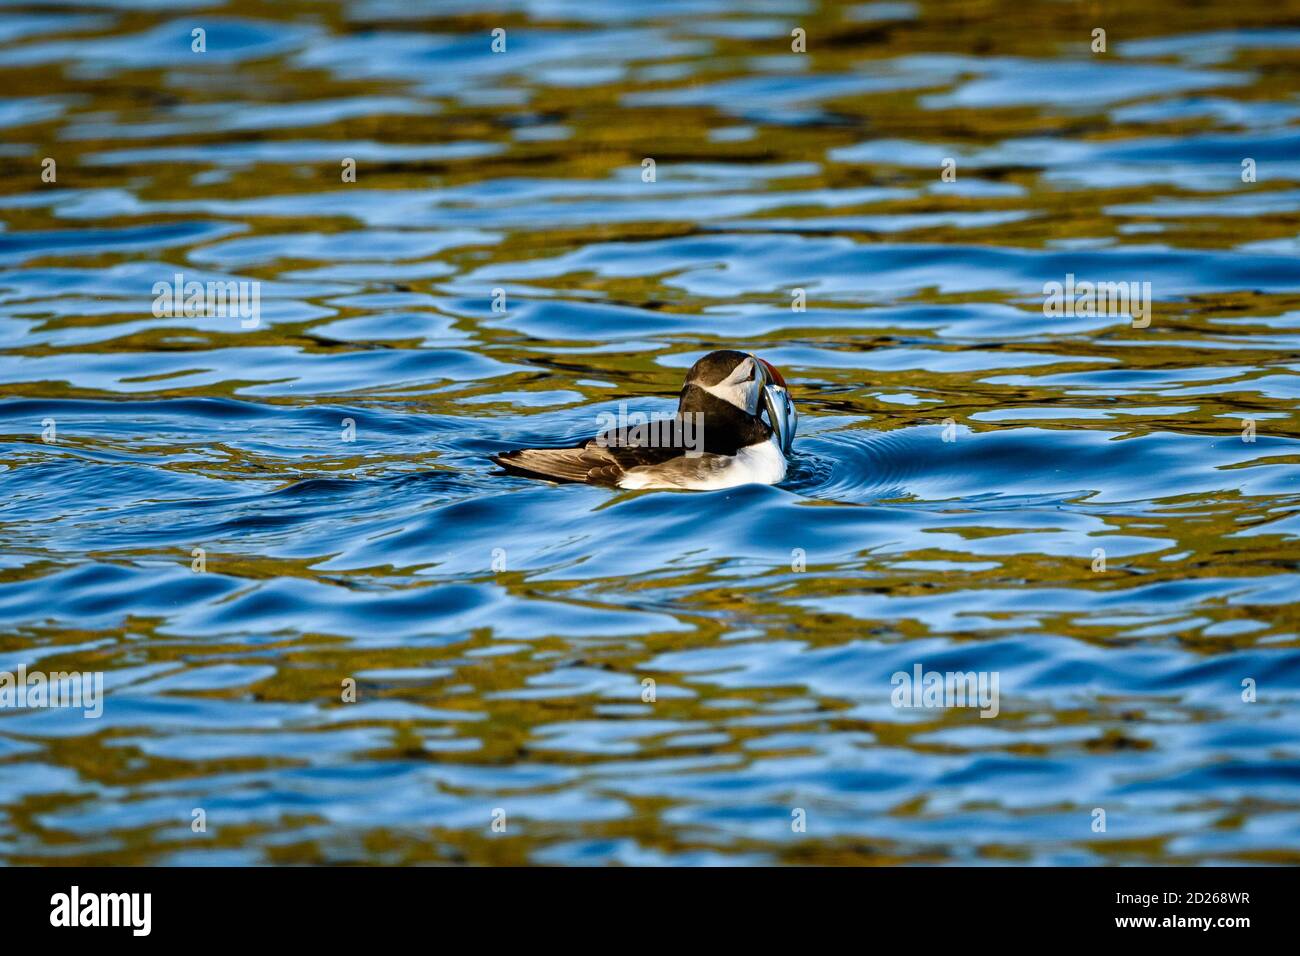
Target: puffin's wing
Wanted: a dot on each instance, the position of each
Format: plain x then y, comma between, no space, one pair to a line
554,464
592,462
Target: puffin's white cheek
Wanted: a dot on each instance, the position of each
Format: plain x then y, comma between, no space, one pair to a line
749,395
745,395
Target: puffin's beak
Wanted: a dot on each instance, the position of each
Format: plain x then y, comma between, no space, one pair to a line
781,414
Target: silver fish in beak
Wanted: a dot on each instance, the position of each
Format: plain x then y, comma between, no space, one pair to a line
781,414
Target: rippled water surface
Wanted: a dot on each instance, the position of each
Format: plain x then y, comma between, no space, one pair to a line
961,459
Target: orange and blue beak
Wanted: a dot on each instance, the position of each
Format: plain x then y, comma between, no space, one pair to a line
781,414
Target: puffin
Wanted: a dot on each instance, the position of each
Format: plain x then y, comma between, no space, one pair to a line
716,439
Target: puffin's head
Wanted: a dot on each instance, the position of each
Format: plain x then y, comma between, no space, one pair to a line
751,384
